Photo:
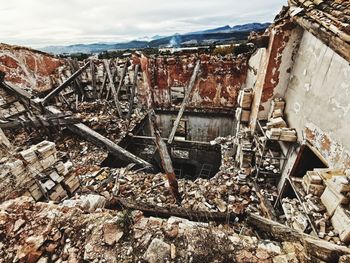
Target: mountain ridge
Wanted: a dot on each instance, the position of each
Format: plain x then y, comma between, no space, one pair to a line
205,37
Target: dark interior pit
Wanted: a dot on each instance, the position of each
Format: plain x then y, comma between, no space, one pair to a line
190,160
191,153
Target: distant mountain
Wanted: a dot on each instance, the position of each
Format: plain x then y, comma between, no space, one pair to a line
94,48
218,35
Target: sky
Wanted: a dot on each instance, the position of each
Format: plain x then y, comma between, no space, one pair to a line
39,23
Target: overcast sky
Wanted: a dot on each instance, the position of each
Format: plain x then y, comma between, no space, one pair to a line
39,23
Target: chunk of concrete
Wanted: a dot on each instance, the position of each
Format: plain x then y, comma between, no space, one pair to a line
157,252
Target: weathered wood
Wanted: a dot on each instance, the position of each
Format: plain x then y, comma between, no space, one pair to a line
112,87
133,91
204,146
20,94
316,247
39,121
265,205
64,84
122,77
165,157
93,79
101,141
78,87
103,86
184,102
164,212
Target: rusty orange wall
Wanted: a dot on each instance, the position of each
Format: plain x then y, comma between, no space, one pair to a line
216,87
28,68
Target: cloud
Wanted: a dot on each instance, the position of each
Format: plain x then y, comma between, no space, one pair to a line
39,23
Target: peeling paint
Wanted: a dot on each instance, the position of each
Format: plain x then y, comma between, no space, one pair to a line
217,85
28,69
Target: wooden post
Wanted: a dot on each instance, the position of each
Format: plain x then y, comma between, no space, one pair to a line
112,88
165,157
93,79
121,81
184,102
78,87
133,91
64,84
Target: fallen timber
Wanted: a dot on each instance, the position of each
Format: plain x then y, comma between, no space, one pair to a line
38,121
165,157
152,210
101,141
317,248
57,90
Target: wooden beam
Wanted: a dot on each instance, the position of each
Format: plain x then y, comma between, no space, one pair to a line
133,92
184,102
112,87
318,248
78,87
64,84
101,141
121,81
165,157
40,121
93,79
204,146
265,204
166,212
20,94
105,77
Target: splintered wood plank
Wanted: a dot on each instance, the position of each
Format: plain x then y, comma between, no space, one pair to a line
112,87
133,91
65,84
165,157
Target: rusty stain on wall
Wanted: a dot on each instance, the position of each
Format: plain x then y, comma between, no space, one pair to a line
281,34
217,85
29,69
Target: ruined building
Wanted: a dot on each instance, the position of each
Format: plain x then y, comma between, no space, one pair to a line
183,157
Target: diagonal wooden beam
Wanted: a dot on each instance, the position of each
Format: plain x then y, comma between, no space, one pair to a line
184,102
39,121
133,91
78,86
121,82
165,157
65,84
112,87
101,141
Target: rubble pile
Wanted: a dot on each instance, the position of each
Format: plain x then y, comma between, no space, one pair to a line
102,117
294,214
37,171
222,193
324,204
276,126
9,106
44,232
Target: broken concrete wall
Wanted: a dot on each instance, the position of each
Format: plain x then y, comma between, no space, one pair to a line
27,68
285,43
216,87
318,101
199,127
273,66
